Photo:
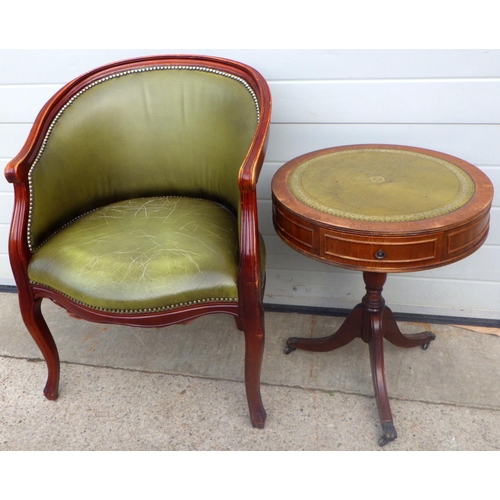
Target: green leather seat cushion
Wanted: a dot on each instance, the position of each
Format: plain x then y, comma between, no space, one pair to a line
143,254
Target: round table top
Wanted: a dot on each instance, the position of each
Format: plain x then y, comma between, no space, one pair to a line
380,185
381,193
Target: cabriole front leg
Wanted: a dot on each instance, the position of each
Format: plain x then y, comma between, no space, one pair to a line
254,352
35,323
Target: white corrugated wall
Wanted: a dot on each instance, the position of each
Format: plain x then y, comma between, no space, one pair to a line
447,100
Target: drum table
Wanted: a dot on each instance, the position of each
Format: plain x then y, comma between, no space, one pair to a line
379,209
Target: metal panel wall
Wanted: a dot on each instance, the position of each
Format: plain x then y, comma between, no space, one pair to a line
447,100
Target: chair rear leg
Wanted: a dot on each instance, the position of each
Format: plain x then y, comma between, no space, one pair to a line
35,323
254,352
239,324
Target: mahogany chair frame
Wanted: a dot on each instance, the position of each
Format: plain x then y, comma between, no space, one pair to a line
247,310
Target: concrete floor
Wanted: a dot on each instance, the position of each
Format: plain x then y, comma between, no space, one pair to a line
181,388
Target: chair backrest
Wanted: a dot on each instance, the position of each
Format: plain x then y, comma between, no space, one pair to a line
142,129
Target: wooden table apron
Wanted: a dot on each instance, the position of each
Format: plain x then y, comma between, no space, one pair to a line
407,246
378,244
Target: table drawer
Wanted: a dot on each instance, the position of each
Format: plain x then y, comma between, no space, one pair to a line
362,252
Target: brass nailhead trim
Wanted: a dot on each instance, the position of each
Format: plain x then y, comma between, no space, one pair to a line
139,311
105,79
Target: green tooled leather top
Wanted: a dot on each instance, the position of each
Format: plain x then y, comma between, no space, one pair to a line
152,132
381,185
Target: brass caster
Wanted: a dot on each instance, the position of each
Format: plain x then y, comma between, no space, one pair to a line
389,433
290,345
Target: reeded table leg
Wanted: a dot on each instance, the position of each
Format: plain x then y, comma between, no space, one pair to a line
372,321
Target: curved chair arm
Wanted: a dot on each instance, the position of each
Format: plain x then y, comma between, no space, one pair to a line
251,281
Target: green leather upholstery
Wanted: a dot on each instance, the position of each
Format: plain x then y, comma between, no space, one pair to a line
134,195
143,253
135,202
147,133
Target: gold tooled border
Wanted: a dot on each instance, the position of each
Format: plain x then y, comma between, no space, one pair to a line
467,190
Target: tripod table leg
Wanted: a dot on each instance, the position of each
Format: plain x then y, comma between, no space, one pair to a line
373,333
379,383
349,330
394,335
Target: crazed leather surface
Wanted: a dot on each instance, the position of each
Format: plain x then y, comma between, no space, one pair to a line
143,253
